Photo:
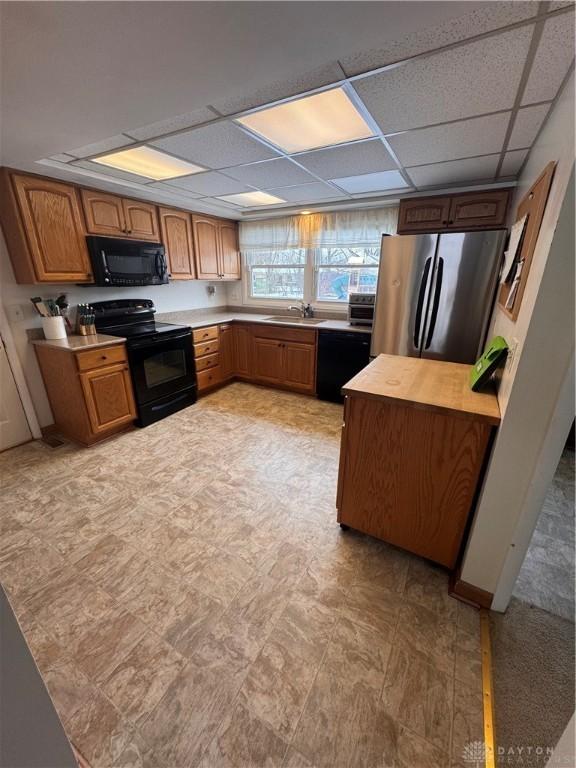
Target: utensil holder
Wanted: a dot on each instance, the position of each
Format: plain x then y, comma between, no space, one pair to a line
54,327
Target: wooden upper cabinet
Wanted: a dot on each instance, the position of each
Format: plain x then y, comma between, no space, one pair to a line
206,248
472,210
114,216
43,225
104,213
141,220
229,250
176,234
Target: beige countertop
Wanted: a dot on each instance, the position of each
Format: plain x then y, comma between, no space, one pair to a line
77,343
197,320
432,384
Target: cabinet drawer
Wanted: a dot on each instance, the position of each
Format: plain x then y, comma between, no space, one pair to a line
209,378
301,335
206,348
205,334
95,358
208,361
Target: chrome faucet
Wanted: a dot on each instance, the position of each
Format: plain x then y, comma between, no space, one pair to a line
305,310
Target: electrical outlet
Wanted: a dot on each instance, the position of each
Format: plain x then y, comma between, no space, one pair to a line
15,313
512,351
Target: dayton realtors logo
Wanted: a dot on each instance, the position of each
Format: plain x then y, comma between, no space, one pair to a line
527,756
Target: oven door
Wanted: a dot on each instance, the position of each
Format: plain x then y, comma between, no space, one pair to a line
161,366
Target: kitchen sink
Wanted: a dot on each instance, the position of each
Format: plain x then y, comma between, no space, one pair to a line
291,319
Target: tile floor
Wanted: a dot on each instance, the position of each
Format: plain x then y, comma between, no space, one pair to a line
191,601
546,578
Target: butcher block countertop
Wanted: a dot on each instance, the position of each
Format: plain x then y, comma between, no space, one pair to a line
428,384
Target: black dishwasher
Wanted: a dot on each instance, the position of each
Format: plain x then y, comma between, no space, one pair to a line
341,354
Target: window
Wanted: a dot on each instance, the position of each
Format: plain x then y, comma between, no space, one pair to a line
344,270
276,274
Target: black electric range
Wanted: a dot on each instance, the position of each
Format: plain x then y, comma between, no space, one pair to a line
160,356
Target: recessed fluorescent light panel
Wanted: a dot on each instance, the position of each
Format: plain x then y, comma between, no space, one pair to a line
321,120
148,162
247,199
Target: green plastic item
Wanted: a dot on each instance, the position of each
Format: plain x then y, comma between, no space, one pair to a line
485,366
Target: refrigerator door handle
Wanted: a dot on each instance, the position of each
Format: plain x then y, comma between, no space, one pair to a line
420,304
436,301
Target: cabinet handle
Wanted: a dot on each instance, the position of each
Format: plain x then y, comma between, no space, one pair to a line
103,357
444,223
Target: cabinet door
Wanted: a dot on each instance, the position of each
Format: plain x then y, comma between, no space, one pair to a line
424,214
176,231
104,213
299,366
243,351
268,359
229,251
109,398
55,232
206,249
141,220
482,210
226,351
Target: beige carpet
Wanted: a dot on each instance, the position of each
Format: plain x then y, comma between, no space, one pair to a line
533,656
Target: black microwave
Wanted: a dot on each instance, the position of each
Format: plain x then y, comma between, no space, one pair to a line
127,262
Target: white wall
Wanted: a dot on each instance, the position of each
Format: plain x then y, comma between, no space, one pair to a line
178,295
519,471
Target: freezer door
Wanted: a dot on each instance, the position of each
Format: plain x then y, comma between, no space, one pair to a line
462,295
404,278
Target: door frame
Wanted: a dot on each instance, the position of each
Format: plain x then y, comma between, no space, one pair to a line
18,374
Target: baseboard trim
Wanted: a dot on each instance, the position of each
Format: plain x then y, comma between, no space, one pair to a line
468,593
487,691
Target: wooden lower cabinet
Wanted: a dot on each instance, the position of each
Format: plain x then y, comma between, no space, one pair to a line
90,392
207,357
268,360
243,351
299,366
227,352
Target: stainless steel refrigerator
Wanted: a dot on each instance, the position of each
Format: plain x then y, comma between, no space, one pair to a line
435,294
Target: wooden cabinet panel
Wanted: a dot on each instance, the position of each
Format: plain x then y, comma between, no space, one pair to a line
141,220
104,213
206,248
208,361
424,214
109,398
205,334
96,358
243,351
46,231
206,348
227,352
229,250
480,209
299,366
176,234
299,335
208,379
268,359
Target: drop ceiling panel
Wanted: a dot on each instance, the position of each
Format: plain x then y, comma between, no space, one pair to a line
459,83
210,183
454,171
348,160
270,173
178,123
315,78
553,59
216,146
513,162
526,126
371,182
479,136
99,147
492,16
170,189
104,170
307,193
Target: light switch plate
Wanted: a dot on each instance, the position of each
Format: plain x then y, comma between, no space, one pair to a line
15,313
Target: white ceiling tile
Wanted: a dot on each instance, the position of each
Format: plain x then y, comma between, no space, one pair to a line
210,183
459,83
454,171
493,15
360,157
479,136
371,182
105,170
284,89
168,187
216,146
114,142
527,125
306,193
270,173
62,158
513,162
203,115
553,58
